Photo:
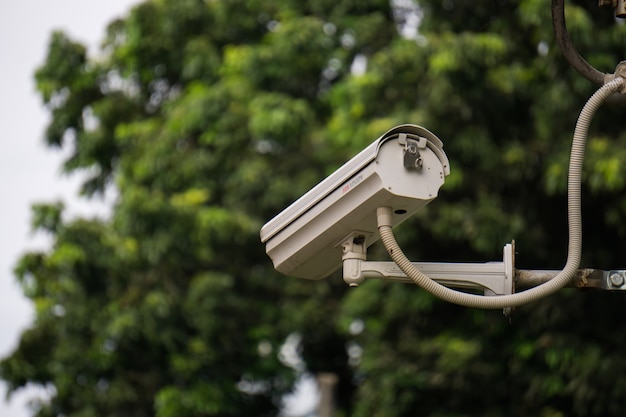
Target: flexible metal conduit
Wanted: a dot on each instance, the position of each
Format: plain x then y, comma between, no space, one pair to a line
573,57
574,220
569,51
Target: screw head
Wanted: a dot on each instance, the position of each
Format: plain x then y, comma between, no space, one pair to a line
617,280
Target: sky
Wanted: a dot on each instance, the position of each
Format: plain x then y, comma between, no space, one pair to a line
30,172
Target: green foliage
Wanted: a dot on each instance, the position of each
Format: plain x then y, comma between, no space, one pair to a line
47,217
210,117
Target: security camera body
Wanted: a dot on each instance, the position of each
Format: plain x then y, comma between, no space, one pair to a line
403,169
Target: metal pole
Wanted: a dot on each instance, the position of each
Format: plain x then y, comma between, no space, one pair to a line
326,382
584,278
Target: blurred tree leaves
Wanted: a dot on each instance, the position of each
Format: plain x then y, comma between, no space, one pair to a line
209,117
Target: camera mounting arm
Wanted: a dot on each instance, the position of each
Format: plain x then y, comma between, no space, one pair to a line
494,278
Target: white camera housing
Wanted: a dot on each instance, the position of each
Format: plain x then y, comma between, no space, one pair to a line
403,169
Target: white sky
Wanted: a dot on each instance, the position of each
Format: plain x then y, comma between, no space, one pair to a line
29,172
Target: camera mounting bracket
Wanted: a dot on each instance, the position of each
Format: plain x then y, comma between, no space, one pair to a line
493,278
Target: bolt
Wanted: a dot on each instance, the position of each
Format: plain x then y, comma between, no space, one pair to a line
617,280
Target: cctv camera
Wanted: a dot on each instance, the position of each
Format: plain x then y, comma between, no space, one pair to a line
403,169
